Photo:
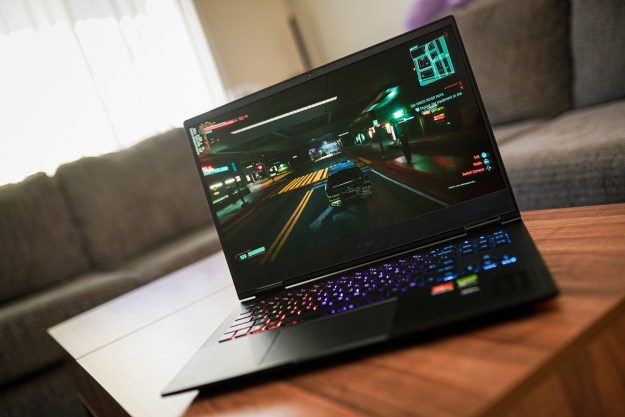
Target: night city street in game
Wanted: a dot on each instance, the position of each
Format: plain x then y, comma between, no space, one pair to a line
379,141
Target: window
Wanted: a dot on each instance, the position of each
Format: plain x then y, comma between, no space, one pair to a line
84,78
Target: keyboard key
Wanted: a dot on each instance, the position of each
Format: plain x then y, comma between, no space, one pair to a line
241,333
236,326
227,336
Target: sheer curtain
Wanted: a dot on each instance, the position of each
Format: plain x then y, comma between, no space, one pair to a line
83,78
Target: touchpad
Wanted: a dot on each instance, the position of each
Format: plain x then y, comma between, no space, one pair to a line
221,361
334,333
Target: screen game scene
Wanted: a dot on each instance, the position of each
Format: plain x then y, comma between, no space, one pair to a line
374,143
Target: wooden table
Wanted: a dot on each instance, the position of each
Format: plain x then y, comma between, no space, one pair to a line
565,359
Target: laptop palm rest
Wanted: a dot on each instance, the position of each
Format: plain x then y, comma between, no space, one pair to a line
333,334
222,361
215,363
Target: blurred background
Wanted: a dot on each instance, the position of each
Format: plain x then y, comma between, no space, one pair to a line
85,78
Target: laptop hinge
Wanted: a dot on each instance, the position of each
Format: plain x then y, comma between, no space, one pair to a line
501,220
510,217
278,286
250,295
492,221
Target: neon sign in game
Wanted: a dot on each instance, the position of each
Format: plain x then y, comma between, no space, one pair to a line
432,61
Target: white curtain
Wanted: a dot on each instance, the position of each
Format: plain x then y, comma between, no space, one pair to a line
83,77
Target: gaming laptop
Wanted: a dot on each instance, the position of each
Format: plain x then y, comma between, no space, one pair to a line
357,203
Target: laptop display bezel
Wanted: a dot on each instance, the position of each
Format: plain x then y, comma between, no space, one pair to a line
367,246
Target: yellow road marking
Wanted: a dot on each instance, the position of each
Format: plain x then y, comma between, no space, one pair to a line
308,179
305,180
276,246
286,235
318,176
296,183
290,185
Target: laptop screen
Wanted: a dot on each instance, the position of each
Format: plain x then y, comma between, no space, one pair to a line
365,145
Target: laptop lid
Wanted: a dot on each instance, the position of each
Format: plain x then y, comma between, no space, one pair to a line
382,150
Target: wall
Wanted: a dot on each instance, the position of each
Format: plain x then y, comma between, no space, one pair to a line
254,47
333,29
251,41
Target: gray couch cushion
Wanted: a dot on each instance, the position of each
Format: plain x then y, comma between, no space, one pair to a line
597,39
130,201
49,395
26,346
507,132
175,255
519,53
38,243
577,159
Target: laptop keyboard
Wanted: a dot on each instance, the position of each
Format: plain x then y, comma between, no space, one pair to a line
435,269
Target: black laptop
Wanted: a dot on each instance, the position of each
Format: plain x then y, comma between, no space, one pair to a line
357,203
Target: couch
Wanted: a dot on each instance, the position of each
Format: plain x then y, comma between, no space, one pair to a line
96,229
552,77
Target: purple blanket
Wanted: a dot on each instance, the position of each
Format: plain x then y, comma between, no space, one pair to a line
422,11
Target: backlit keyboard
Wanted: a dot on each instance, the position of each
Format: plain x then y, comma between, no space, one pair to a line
436,269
